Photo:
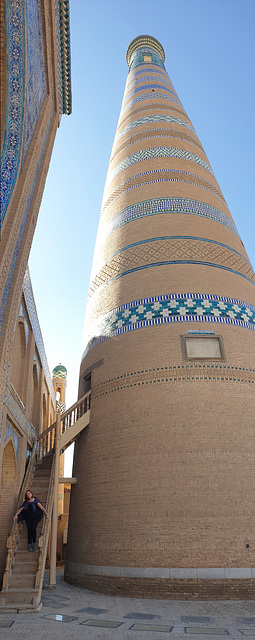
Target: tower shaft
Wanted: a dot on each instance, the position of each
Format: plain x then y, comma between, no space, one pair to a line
169,352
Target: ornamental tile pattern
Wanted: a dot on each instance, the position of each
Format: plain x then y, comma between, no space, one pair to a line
156,133
137,58
22,227
33,317
173,307
10,157
154,77
19,415
158,152
169,250
35,72
147,69
188,373
153,118
9,431
169,205
151,96
160,175
145,87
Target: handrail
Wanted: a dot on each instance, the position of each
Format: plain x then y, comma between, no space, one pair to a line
46,439
43,540
12,538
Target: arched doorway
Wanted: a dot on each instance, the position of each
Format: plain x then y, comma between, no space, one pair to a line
9,468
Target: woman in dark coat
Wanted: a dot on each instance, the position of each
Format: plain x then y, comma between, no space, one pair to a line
32,512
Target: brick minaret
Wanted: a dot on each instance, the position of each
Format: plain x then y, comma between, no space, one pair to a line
165,482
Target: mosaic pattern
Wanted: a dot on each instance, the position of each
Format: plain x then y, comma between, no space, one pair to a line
159,175
36,77
169,250
137,58
60,90
30,303
154,77
145,87
149,69
153,118
158,152
169,205
20,417
22,227
10,157
155,95
174,307
9,431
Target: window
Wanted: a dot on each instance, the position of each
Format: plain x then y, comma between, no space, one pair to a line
202,347
147,58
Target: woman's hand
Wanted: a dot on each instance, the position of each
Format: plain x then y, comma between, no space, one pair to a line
46,516
15,517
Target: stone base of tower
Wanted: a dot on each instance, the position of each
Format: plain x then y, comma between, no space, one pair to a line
238,587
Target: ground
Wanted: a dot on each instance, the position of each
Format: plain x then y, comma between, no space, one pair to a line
92,616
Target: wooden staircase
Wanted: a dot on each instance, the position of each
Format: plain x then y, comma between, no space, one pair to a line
24,572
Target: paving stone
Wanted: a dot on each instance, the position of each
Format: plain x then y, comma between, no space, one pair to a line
59,617
141,616
110,624
195,619
91,610
206,632
151,627
5,624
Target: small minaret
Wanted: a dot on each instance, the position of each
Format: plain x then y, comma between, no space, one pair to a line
59,379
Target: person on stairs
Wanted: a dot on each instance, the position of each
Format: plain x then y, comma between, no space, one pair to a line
32,512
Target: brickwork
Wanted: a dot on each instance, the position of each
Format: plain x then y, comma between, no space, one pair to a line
162,468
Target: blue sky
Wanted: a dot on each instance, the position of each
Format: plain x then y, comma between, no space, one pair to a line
210,53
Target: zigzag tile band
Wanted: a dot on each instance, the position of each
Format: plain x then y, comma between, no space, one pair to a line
177,176
155,133
175,307
158,152
150,96
169,205
148,69
147,86
154,77
153,118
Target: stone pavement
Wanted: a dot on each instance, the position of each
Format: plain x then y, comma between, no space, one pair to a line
94,616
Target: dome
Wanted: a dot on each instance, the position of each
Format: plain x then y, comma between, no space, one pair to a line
59,372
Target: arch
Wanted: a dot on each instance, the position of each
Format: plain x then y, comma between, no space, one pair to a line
8,492
44,413
35,412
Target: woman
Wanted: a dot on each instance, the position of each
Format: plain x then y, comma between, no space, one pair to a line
32,512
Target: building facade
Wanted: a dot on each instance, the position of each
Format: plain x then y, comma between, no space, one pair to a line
164,494
35,92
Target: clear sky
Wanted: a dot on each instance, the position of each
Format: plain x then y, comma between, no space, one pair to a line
210,54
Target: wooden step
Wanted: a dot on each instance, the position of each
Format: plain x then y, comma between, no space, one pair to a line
21,581
24,567
25,556
17,595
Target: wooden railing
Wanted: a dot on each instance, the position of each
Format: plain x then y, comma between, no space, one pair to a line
46,441
43,540
44,444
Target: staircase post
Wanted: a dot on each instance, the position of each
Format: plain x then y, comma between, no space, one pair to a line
54,518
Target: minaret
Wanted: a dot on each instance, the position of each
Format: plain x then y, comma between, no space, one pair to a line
165,482
59,379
